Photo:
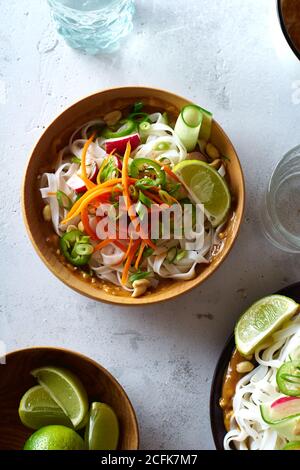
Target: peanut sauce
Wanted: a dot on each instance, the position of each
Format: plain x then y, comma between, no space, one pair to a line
231,379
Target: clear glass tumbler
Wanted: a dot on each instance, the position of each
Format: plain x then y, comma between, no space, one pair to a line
93,26
280,215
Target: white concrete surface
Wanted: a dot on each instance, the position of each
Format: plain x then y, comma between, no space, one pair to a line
229,57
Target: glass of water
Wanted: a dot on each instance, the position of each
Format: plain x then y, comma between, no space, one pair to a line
93,26
280,216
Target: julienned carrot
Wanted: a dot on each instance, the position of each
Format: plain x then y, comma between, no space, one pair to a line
128,261
79,203
140,254
120,245
107,242
102,244
89,184
125,184
86,224
105,161
169,171
128,248
154,197
85,203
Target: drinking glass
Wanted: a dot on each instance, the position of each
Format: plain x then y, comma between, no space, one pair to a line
280,215
93,26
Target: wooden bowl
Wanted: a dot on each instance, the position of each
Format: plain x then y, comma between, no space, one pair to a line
216,413
44,156
15,380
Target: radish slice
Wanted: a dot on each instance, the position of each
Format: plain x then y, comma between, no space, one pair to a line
119,145
77,184
281,409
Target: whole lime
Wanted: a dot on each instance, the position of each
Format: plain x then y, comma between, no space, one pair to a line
54,438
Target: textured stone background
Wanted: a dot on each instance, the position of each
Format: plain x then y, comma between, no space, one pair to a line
229,57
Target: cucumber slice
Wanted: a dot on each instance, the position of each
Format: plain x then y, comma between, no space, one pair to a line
290,429
283,409
288,378
188,126
205,130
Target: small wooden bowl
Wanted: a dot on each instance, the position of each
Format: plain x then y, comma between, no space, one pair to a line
15,380
44,157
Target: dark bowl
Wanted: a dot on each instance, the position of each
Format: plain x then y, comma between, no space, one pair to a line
216,413
285,31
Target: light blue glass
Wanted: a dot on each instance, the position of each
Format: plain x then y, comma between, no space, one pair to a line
93,26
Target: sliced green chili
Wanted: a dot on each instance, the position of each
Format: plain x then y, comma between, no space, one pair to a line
63,200
144,199
128,127
76,247
288,378
139,117
150,169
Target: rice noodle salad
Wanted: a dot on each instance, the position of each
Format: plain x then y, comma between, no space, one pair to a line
129,166
266,401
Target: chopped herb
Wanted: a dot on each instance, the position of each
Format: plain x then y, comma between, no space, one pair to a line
139,275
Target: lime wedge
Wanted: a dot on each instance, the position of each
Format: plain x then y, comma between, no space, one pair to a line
207,187
54,438
102,432
66,390
38,409
261,320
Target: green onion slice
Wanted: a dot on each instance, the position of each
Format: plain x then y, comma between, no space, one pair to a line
128,127
139,275
83,249
180,255
171,255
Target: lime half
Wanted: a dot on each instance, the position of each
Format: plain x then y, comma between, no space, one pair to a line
102,432
262,319
66,390
207,187
38,409
54,438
